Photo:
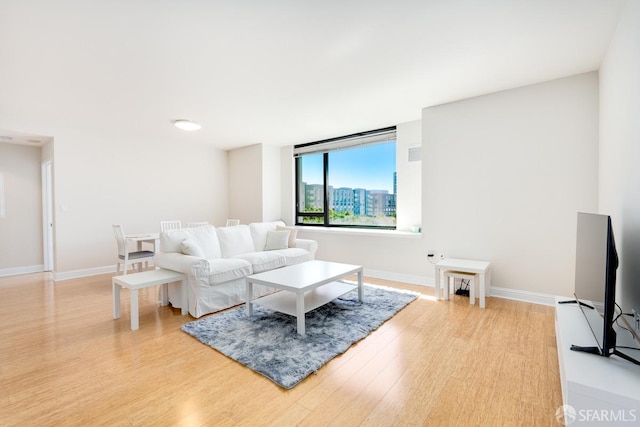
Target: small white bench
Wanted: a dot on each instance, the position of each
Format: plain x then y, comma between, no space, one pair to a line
463,275
145,279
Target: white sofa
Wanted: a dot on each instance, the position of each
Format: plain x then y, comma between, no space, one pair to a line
217,260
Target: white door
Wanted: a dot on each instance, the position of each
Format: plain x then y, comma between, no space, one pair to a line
47,216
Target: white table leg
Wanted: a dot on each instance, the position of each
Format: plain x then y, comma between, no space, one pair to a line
300,313
360,287
164,292
472,290
134,309
481,289
185,297
447,286
437,283
248,296
116,300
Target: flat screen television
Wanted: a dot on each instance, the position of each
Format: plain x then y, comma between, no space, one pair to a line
595,281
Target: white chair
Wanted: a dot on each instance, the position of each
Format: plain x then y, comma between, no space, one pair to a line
462,275
196,224
170,225
233,222
127,258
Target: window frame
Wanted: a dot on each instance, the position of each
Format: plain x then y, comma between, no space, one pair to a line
324,147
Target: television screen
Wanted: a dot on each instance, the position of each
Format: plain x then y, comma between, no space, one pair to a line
595,279
596,265
591,257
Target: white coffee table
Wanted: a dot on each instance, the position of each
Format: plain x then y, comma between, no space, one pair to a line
306,287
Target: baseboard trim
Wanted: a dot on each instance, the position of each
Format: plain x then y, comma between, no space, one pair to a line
399,277
76,274
524,296
505,293
15,271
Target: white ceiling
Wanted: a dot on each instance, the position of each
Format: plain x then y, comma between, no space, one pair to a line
273,71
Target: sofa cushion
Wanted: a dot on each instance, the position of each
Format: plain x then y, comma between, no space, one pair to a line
222,269
235,240
190,247
277,240
294,255
259,232
293,233
205,237
263,261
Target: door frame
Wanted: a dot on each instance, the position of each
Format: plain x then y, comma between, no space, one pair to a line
47,216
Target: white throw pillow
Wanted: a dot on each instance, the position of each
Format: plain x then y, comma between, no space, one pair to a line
189,247
277,240
207,239
292,234
235,240
259,232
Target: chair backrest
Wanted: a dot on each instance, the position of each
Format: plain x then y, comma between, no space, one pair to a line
170,225
233,222
120,239
196,224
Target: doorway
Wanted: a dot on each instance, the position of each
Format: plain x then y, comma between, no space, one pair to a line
47,216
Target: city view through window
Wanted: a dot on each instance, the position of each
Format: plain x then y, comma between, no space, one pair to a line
361,183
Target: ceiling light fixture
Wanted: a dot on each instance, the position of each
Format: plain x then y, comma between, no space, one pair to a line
187,125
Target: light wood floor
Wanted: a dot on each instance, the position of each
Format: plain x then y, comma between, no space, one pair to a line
65,361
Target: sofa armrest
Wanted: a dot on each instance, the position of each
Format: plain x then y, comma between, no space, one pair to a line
308,244
176,261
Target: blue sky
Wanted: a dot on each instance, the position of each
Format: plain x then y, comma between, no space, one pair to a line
371,168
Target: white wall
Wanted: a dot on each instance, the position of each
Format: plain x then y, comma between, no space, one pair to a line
21,227
245,183
287,185
620,150
271,183
409,176
255,184
504,175
100,181
385,255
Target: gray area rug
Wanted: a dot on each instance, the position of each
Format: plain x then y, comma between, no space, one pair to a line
268,343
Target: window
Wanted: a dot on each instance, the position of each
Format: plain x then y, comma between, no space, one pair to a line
347,181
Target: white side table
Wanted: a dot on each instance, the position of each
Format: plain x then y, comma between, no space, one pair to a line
145,279
481,268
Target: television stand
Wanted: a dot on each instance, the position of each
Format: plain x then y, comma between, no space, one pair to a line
626,357
589,382
592,350
573,301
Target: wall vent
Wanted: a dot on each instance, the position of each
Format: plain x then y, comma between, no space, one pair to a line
415,154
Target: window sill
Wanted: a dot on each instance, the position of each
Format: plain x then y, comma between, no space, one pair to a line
360,232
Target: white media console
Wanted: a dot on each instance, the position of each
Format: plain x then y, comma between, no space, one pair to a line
596,386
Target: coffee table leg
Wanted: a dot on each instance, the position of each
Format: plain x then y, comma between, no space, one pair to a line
134,309
360,287
164,292
248,296
300,313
